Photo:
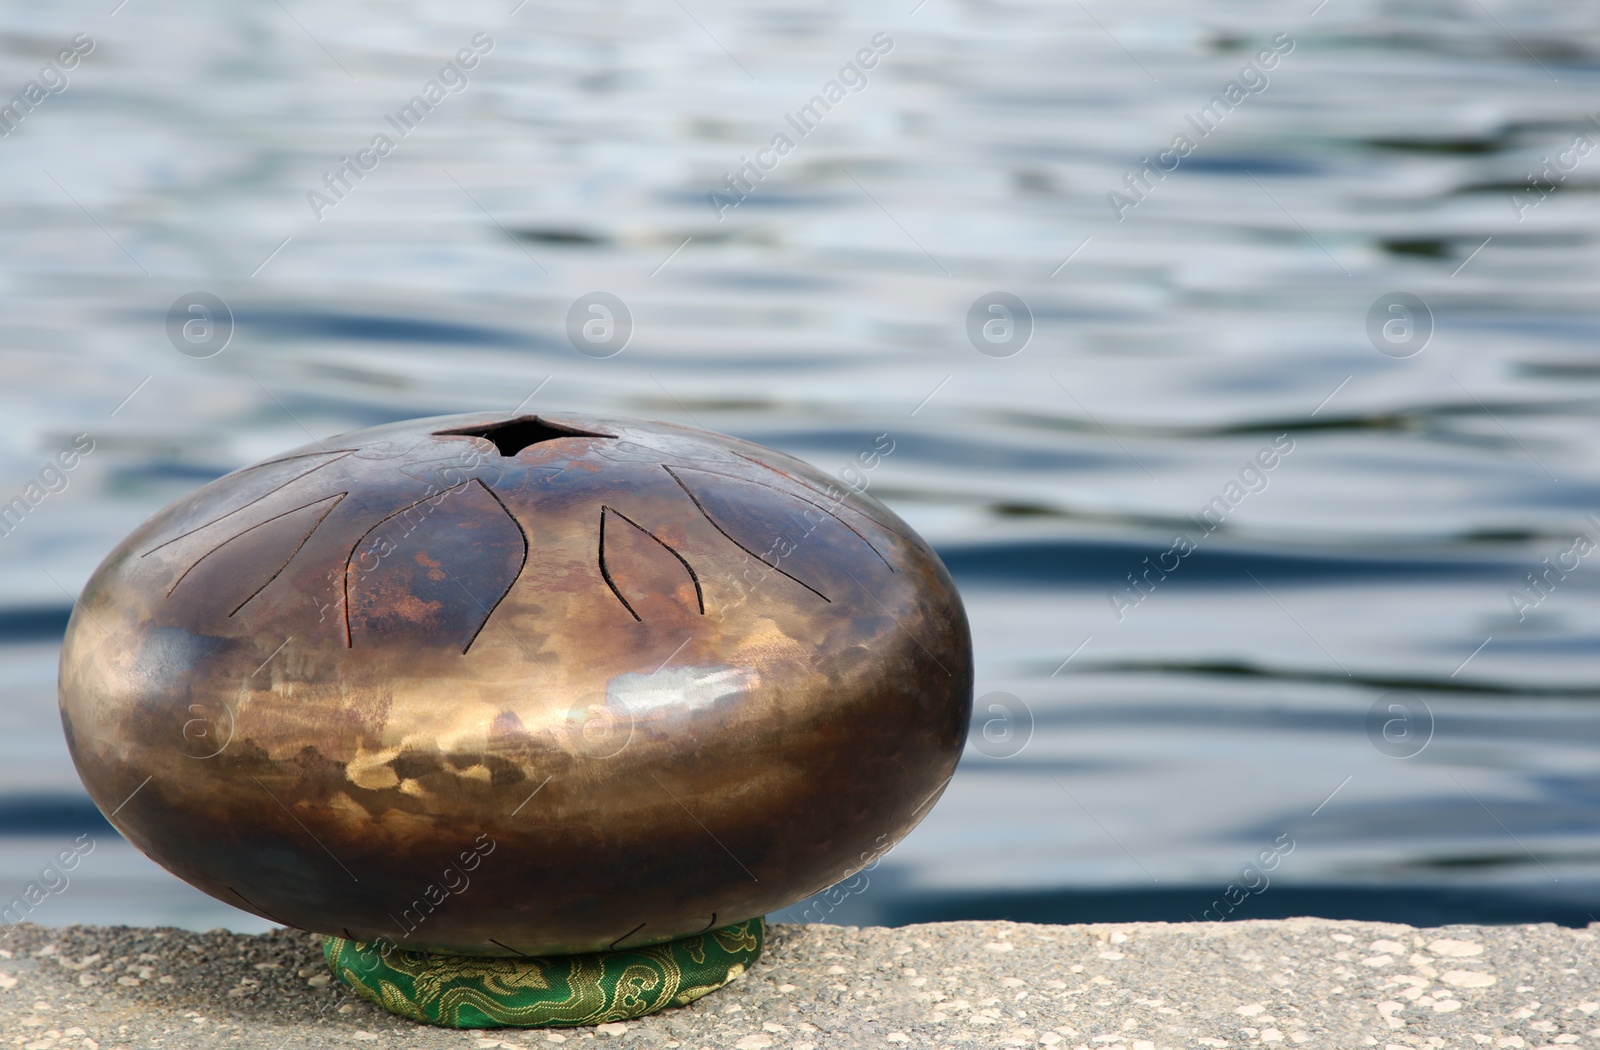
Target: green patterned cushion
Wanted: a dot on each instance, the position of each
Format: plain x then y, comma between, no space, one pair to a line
556,991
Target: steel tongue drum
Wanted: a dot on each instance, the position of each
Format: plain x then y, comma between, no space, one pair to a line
537,686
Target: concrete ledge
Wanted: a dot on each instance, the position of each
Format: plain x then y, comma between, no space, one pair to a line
1135,986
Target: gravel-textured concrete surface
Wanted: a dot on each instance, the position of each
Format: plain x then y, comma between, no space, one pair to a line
1138,986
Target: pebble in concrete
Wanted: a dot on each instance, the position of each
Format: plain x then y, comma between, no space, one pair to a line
1139,986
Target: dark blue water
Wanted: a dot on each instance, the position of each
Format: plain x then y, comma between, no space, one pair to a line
1243,495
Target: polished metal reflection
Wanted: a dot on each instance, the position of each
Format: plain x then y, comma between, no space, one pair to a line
519,686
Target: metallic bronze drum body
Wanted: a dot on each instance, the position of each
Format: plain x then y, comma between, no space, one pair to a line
529,686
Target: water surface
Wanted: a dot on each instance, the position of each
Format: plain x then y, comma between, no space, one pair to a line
1174,732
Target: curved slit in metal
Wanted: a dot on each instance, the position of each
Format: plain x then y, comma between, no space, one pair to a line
257,525
304,455
803,482
802,499
699,595
340,454
707,515
526,547
348,644
303,540
630,933
605,573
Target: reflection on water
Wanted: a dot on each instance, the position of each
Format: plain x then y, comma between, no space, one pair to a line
1371,265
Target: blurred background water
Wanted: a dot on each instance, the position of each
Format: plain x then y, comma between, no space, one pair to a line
1337,675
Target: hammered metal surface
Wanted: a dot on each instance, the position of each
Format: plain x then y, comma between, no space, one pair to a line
529,686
